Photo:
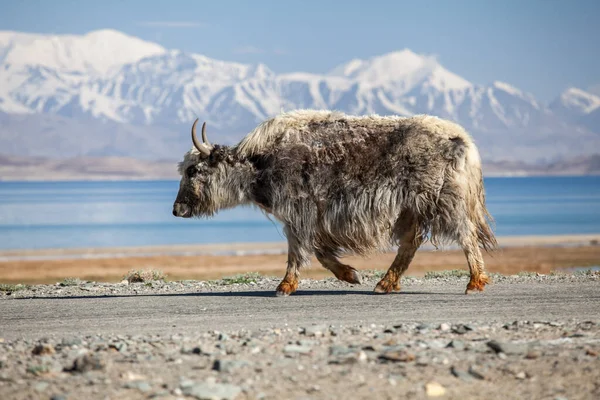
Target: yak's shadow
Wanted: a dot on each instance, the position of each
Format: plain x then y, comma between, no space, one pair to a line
254,293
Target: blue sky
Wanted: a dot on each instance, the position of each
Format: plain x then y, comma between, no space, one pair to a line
539,46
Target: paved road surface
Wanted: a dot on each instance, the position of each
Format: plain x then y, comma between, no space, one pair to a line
188,313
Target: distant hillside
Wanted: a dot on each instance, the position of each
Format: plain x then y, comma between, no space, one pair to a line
84,168
106,93
124,168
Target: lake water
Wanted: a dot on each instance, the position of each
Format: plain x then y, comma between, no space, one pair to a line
113,214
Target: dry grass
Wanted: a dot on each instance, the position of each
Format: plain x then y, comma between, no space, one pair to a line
9,288
507,261
144,275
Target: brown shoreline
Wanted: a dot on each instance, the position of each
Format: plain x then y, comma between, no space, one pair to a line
542,254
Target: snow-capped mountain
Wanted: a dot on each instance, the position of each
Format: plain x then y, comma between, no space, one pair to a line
578,107
124,88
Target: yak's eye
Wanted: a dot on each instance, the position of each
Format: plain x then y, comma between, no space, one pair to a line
191,171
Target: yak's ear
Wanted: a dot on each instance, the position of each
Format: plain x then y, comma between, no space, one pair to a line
217,155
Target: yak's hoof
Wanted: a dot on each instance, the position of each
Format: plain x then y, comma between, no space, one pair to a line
385,286
350,275
286,288
477,283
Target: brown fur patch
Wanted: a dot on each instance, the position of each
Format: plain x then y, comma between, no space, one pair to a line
286,287
477,283
389,283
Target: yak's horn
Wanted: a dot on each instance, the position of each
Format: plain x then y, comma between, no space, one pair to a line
204,139
202,148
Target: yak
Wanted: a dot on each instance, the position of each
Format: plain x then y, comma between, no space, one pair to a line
343,184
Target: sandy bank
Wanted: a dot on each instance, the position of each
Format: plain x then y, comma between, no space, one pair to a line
532,253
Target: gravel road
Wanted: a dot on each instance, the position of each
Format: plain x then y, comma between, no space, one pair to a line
524,337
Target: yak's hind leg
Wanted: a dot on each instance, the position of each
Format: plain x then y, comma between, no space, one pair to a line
476,266
341,271
409,243
298,257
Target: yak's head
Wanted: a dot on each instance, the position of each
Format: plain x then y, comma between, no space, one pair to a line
208,179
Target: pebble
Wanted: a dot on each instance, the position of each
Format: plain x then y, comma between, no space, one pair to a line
315,330
434,389
533,354
444,327
477,372
43,349
142,386
397,356
353,358
41,386
292,348
590,352
70,342
229,365
88,362
337,350
461,329
457,345
508,348
461,374
212,391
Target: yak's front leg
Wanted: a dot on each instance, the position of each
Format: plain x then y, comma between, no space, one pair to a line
298,257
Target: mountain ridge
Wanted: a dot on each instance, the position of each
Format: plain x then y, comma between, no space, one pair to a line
139,86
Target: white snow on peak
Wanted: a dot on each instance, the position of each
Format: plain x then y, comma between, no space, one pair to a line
513,91
575,98
403,68
95,52
348,69
507,88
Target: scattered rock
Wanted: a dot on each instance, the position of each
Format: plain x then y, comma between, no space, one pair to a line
434,389
70,342
477,372
457,345
521,375
352,358
337,350
509,348
142,386
315,330
461,329
132,376
87,362
229,365
121,347
397,356
41,386
212,391
43,349
461,374
295,349
590,352
533,354
444,327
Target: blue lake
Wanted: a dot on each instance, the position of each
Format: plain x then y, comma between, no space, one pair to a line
113,214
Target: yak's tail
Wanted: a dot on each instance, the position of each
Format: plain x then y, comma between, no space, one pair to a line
477,210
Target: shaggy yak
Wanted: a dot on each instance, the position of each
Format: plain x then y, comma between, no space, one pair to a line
341,183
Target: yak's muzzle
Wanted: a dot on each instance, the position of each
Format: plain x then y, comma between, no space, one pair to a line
182,210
